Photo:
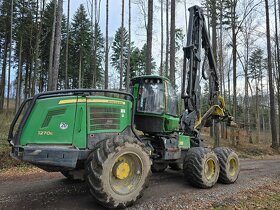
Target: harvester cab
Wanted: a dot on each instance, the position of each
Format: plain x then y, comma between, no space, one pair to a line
156,105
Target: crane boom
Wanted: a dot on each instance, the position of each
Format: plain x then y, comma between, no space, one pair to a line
198,39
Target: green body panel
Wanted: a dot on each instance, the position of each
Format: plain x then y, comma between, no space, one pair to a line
171,123
43,124
80,130
184,142
68,120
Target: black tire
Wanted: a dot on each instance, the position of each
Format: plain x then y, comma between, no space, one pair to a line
158,167
105,164
201,167
229,165
176,166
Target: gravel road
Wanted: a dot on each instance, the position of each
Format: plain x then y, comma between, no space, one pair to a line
167,190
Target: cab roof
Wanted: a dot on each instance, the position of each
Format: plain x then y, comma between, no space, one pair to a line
140,78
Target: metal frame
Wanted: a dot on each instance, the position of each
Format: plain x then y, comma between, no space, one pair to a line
197,38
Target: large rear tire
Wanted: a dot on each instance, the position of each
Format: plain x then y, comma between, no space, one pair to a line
118,171
229,165
201,167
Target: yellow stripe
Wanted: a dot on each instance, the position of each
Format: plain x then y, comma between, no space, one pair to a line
72,101
106,101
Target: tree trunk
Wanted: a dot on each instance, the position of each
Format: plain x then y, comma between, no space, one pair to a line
3,75
67,46
19,76
80,69
167,40
95,45
278,61
271,88
107,46
229,98
129,46
279,108
57,44
149,37
161,39
221,65
26,80
10,55
37,45
257,109
122,46
50,76
172,43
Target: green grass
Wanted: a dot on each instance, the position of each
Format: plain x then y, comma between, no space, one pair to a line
7,161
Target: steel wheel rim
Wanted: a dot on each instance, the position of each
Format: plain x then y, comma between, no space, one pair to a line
126,182
233,167
209,169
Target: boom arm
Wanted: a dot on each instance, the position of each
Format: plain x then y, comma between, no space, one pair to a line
198,39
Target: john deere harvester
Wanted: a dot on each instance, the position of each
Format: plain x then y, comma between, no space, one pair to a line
114,139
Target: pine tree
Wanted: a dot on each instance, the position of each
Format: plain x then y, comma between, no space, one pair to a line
255,71
80,72
99,60
117,50
5,29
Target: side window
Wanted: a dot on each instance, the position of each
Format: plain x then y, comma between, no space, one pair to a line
172,101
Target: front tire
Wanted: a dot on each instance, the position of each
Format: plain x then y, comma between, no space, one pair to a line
118,171
229,164
201,167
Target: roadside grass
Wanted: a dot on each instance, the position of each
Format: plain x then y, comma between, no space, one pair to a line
5,160
244,148
265,197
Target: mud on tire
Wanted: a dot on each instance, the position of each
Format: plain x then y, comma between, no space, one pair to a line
229,165
112,178
201,167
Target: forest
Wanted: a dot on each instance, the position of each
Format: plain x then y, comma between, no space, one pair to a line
43,47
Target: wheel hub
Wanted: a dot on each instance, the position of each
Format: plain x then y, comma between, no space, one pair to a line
209,170
232,167
121,170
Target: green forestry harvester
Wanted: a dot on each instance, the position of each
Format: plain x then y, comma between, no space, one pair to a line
91,134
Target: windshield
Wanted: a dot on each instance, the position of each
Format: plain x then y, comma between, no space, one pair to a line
151,98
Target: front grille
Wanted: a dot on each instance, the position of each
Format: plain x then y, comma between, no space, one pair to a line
104,118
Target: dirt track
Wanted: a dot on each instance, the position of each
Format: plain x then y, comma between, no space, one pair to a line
167,190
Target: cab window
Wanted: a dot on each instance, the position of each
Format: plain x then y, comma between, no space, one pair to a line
172,101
